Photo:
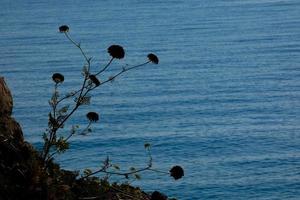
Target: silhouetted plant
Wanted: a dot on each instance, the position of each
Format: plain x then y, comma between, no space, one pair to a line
58,78
62,110
153,58
94,79
177,172
63,28
93,116
116,51
158,196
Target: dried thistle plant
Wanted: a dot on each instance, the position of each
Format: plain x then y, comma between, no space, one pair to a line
62,110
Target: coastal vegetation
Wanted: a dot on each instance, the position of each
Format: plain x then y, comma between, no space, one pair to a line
34,174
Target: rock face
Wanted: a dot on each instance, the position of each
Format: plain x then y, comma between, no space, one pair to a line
14,152
6,100
8,125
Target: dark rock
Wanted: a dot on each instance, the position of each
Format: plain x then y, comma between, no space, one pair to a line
6,101
158,196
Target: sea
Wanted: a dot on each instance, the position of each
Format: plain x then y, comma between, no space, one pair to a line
223,102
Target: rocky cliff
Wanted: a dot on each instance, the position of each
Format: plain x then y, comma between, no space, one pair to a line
18,159
8,125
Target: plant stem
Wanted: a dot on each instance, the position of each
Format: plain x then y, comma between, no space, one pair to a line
105,67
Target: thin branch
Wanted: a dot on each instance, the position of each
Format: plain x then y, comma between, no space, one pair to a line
68,96
126,174
158,171
105,67
136,66
123,71
108,80
86,129
55,103
88,60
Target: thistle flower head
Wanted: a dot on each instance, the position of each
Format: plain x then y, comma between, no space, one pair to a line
158,196
64,29
153,58
116,51
58,78
177,172
94,79
92,116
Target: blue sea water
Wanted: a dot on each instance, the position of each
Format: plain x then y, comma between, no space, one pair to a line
224,102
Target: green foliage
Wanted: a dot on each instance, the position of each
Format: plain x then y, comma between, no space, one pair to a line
52,122
62,145
83,100
54,97
87,172
63,110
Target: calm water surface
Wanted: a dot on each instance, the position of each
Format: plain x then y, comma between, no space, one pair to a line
224,102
